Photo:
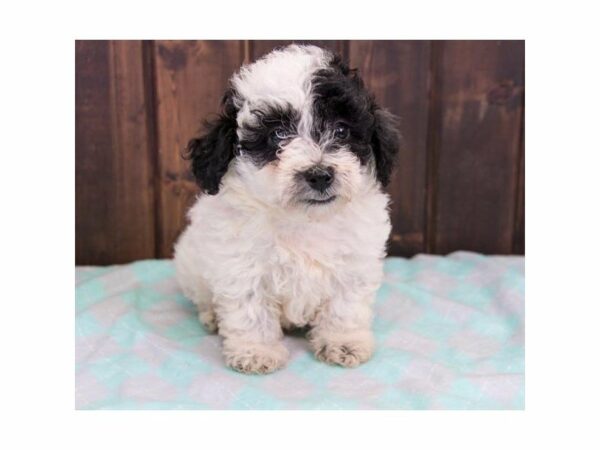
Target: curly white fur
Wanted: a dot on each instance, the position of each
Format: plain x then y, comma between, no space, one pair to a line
254,260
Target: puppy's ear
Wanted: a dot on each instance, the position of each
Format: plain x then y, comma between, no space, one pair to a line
385,140
385,143
212,153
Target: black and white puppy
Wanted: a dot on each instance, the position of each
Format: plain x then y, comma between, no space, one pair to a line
292,232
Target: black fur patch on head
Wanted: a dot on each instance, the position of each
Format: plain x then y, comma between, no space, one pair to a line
212,153
341,98
261,140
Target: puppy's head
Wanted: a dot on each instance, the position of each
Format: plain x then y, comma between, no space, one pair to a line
298,129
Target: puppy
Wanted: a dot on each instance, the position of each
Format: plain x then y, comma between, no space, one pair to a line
293,227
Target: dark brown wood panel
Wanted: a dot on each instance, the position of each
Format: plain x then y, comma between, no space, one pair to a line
397,72
519,237
114,196
479,98
191,78
460,180
262,47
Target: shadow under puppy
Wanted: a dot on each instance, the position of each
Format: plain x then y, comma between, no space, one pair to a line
293,230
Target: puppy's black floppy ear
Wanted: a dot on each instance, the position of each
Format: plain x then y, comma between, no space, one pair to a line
212,153
385,143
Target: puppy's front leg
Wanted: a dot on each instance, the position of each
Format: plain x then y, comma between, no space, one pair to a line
252,335
342,333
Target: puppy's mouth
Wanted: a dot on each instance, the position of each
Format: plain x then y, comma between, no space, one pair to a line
320,201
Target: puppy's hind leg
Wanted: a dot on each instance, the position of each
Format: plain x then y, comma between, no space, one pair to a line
207,317
195,289
202,298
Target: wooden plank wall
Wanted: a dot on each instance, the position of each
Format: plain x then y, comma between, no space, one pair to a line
114,160
460,178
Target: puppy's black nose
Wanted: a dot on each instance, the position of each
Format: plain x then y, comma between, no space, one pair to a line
319,178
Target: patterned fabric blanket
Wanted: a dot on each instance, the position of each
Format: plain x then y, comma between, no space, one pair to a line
449,333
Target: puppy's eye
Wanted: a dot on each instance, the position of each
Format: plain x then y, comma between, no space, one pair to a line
280,134
341,131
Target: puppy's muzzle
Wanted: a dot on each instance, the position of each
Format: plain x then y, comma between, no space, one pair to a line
319,178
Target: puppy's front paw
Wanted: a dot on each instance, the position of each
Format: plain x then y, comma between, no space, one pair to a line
348,350
255,358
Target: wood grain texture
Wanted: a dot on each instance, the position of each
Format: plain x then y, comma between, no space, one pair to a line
459,184
191,78
480,99
519,232
262,47
397,72
114,194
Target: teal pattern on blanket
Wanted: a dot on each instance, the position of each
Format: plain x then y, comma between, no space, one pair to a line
449,333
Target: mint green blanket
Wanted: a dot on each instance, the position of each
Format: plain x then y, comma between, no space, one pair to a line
449,331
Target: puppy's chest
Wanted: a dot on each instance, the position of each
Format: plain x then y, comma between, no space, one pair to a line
307,261
303,271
